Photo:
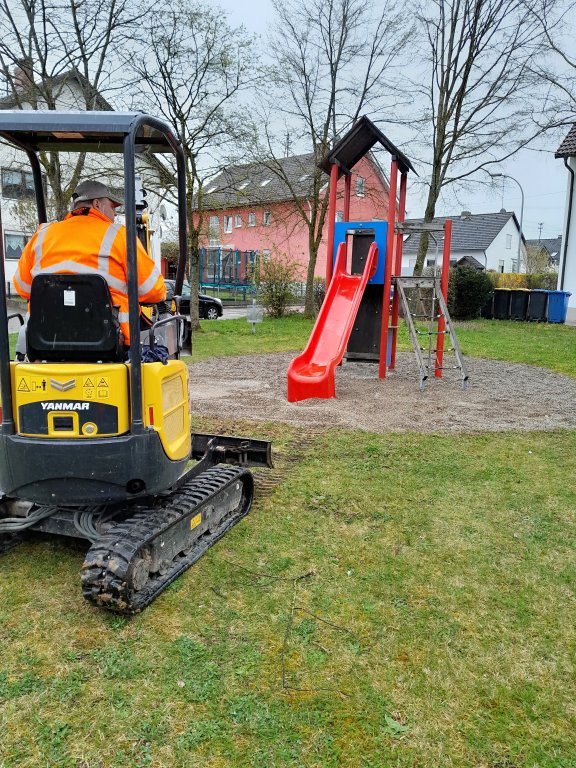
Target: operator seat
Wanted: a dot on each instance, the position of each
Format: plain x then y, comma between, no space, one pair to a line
72,319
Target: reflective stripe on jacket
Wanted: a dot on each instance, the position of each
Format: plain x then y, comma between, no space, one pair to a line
89,243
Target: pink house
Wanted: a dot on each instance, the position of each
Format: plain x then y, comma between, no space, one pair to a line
252,208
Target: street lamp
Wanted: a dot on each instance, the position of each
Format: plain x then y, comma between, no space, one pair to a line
506,176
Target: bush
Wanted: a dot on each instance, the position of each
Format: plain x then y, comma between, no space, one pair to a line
319,292
468,292
275,280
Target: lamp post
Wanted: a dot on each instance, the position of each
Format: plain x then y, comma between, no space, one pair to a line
506,176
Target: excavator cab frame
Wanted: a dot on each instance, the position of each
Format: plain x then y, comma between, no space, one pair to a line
101,449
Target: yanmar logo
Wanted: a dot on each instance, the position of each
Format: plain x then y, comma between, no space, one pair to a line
65,406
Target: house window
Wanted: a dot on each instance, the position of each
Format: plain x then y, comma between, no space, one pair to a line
430,262
244,184
251,219
339,215
13,245
238,221
508,242
266,181
360,186
17,184
267,218
501,265
266,254
214,233
227,224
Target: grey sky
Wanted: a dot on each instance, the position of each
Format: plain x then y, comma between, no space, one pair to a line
543,179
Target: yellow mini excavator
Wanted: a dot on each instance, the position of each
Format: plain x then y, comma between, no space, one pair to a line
95,442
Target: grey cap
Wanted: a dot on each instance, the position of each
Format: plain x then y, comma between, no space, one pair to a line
87,191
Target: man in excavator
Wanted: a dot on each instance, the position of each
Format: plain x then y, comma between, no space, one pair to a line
89,240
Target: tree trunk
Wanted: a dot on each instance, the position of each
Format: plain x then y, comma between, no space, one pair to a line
430,212
309,304
194,277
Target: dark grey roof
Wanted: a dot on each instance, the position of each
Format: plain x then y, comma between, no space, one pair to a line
552,244
356,143
472,232
258,183
568,146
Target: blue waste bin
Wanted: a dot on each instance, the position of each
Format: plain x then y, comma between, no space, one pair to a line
558,306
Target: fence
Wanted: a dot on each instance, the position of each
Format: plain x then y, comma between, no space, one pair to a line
221,268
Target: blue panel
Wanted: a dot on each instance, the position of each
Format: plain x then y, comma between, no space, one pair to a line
380,229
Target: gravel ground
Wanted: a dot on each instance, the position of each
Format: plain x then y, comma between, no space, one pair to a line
500,396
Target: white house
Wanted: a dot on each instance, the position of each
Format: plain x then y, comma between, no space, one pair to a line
17,198
482,240
567,268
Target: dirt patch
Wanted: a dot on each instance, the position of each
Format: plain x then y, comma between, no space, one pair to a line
500,396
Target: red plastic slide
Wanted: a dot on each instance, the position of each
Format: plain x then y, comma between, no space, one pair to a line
311,374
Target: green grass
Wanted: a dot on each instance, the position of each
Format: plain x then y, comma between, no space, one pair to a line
419,590
547,345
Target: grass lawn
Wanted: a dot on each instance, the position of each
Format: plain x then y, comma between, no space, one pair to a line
394,601
548,345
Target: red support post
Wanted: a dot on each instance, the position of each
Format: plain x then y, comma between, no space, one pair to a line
388,268
398,267
444,290
331,221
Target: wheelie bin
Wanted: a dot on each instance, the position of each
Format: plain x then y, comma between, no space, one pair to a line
558,306
519,303
502,304
537,305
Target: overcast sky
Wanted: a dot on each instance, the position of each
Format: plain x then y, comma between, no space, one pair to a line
543,178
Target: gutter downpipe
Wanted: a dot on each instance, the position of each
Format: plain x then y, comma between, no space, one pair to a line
568,219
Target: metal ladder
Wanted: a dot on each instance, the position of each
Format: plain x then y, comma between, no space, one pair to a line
437,307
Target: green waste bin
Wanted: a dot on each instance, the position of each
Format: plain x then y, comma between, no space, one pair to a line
558,306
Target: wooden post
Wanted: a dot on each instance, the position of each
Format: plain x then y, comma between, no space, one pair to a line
388,268
444,290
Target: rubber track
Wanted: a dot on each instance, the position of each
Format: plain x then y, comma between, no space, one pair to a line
106,570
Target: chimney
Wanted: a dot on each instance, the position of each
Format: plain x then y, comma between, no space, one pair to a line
466,215
23,75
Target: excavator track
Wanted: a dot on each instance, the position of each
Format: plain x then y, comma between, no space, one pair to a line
126,569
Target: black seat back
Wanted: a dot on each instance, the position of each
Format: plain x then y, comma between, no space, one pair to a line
72,319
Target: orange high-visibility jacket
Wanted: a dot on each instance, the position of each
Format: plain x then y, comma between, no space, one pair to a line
89,243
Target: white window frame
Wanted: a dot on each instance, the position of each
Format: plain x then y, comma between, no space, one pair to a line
360,186
251,219
266,218
227,225
24,239
214,231
238,220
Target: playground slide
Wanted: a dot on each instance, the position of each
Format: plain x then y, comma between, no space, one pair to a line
311,374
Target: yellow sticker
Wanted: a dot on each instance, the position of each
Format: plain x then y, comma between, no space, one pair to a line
196,521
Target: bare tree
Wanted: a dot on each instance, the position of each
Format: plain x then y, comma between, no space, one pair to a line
57,54
193,69
479,86
333,61
558,69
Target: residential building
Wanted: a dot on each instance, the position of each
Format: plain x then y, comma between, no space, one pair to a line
567,266
551,246
254,208
481,240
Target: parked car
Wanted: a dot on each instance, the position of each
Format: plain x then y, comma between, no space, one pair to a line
209,308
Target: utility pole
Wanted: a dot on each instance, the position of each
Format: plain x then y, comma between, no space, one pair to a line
540,225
